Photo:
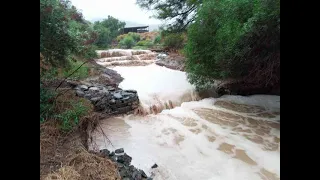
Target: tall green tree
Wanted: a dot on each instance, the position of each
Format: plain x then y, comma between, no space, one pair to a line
107,30
235,39
64,32
56,42
180,12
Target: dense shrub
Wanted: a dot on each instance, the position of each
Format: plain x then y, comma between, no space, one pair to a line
173,41
107,30
136,37
127,42
63,32
56,42
157,39
81,72
145,43
70,118
238,39
46,103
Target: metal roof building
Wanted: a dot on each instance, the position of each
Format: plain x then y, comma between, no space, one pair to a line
137,29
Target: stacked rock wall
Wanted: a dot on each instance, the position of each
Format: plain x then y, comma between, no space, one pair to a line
108,99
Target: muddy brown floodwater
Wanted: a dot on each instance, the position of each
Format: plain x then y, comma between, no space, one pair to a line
226,138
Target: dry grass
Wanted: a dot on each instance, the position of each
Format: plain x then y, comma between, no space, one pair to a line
65,173
148,35
64,156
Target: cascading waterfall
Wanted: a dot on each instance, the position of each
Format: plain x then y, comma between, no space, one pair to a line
226,138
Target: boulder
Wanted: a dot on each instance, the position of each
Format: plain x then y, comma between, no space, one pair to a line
104,152
117,95
106,99
125,159
154,166
120,150
83,87
80,93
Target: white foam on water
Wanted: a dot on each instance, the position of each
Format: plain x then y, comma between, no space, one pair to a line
179,152
155,83
125,62
122,52
270,102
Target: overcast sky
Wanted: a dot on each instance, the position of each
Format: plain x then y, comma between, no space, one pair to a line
125,10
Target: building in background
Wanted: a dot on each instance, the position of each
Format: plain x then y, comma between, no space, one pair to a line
137,29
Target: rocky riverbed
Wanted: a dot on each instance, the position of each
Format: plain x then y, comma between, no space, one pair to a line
171,61
123,161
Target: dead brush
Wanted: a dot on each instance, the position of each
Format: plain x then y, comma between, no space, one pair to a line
91,166
64,173
65,156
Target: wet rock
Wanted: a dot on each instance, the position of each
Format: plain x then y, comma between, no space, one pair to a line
112,101
154,166
104,91
106,101
149,178
120,159
105,152
126,178
132,168
143,174
120,165
131,91
80,93
117,95
123,173
95,99
110,88
125,159
113,158
136,175
118,151
83,87
161,56
111,154
94,88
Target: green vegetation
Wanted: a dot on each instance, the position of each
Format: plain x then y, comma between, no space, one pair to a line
127,42
71,117
173,41
64,32
133,40
238,39
140,47
139,41
46,103
235,40
157,39
136,37
182,11
81,73
145,43
107,30
64,35
61,107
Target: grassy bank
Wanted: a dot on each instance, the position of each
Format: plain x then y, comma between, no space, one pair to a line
65,125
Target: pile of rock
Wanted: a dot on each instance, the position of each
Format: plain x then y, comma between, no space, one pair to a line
108,99
123,161
171,61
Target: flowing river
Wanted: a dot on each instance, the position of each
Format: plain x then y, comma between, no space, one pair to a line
226,138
